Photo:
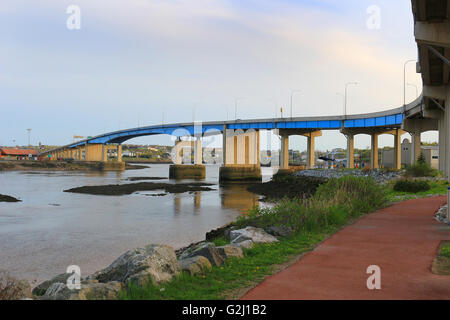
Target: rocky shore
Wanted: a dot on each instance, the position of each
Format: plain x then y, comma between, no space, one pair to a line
441,214
5,198
379,175
129,188
155,263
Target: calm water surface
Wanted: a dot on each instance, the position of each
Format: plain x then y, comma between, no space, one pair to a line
50,229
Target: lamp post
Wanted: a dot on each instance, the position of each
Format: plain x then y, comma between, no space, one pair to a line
413,85
236,106
345,97
292,97
404,80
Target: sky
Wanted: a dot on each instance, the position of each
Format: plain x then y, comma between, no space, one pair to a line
140,62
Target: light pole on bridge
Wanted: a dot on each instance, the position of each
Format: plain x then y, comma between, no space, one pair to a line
404,80
345,97
292,97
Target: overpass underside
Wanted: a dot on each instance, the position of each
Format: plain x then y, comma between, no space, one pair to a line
432,33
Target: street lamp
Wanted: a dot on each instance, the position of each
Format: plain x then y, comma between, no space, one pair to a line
345,98
404,80
417,90
292,96
236,106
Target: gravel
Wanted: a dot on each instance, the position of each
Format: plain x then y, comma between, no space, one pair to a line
441,214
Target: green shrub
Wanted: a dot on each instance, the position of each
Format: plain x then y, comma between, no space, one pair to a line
421,169
445,250
333,203
413,186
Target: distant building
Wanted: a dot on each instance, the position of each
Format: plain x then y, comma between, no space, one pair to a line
17,154
431,154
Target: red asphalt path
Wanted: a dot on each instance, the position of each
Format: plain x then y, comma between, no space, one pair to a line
402,240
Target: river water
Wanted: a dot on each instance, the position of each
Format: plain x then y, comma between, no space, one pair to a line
51,229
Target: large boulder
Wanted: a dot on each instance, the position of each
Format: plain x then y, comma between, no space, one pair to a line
204,249
257,235
157,263
278,231
246,244
89,291
195,265
230,251
40,289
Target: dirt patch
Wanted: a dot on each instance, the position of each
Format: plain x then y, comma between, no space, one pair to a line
129,188
441,264
145,178
287,186
4,198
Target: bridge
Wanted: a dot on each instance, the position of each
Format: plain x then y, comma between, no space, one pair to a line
241,156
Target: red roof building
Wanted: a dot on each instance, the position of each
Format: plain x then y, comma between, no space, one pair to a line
17,153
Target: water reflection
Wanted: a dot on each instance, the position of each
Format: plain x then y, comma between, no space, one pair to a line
51,229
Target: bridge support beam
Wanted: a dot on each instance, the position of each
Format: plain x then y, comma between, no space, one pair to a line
311,155
187,171
241,156
350,151
284,153
415,146
374,151
397,149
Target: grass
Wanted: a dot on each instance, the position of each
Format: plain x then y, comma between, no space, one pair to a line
445,250
436,188
257,263
412,186
334,204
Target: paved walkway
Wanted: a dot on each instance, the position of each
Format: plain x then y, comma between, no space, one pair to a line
402,240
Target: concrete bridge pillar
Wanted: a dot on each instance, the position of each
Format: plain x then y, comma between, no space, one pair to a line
198,154
397,149
119,153
415,146
350,151
374,151
241,156
284,152
311,157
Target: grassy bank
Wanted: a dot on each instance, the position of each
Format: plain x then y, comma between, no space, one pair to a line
335,203
437,187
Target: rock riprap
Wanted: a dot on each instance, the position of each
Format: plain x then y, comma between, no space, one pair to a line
195,265
204,249
256,235
88,291
380,176
157,263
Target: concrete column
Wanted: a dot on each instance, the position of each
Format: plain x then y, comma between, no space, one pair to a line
178,152
224,145
258,149
397,150
311,151
198,154
442,145
447,133
415,146
119,153
284,152
350,151
374,151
